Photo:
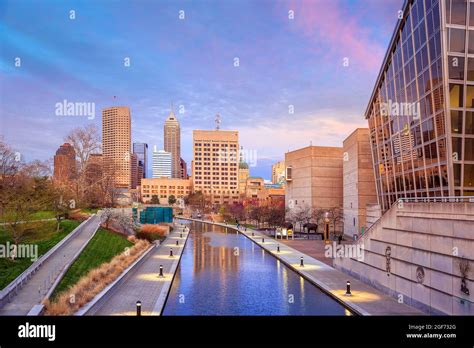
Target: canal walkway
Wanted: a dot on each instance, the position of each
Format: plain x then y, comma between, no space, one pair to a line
143,282
365,300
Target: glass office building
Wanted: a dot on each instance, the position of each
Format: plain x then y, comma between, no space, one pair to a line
421,112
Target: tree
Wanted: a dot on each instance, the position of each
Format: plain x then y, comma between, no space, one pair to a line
198,201
237,211
171,200
301,214
155,199
107,216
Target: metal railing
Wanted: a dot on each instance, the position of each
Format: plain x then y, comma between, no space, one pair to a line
450,199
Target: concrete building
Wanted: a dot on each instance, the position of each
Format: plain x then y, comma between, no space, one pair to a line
172,142
134,170
163,188
278,173
215,164
314,177
358,180
65,165
141,150
117,144
184,169
244,174
253,186
162,164
420,112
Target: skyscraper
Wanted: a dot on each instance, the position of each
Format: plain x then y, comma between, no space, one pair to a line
64,163
428,67
215,164
141,149
172,142
116,145
161,164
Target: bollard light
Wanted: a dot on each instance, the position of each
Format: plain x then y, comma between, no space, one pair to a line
171,252
263,240
301,262
177,242
253,234
348,288
161,271
139,308
278,248
181,235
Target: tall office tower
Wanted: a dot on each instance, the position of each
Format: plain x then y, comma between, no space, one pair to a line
215,164
172,142
428,67
64,164
134,170
162,164
278,173
141,149
116,145
183,168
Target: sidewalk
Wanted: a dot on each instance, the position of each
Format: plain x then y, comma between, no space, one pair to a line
33,292
365,300
143,282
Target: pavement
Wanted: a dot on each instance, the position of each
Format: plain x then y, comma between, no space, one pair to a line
143,282
35,289
364,299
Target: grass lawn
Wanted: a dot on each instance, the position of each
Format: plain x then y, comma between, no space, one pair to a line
102,248
44,235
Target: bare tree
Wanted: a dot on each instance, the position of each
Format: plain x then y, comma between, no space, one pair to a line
85,142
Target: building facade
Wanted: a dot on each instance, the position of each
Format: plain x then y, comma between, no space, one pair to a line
278,173
141,150
215,164
65,165
163,188
314,178
172,142
244,174
134,170
358,180
162,164
421,111
183,168
117,144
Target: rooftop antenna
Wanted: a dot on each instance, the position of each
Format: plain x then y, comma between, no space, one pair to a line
218,122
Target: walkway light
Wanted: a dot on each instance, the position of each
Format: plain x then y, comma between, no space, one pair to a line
263,240
301,262
161,271
278,248
171,252
177,242
253,234
181,235
348,288
139,308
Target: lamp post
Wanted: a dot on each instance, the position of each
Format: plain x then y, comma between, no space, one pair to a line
326,227
139,308
348,288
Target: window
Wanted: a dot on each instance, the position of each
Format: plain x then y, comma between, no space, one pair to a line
470,97
469,122
456,40
456,68
469,149
456,121
457,174
457,149
469,175
455,95
456,12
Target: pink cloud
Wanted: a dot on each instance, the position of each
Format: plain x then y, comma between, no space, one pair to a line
339,31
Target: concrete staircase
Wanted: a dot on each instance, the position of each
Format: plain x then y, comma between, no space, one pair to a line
415,252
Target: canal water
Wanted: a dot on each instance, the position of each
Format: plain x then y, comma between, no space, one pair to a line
222,272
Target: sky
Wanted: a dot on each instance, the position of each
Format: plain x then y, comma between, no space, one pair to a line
285,74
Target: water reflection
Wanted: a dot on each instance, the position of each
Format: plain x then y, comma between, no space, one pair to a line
224,273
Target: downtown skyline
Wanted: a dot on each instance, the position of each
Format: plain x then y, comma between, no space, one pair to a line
190,62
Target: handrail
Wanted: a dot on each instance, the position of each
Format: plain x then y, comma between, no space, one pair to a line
449,199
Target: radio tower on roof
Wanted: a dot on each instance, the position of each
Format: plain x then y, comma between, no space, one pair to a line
218,122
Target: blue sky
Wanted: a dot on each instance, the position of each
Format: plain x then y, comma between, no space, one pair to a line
190,62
